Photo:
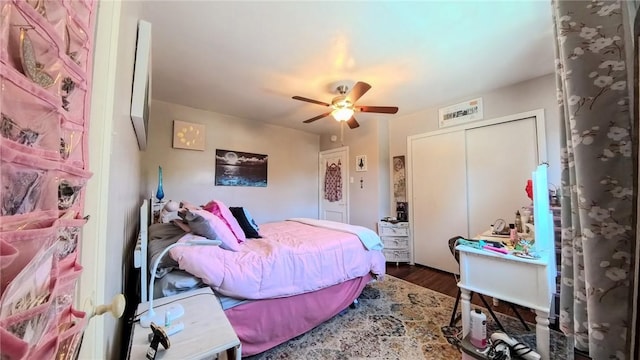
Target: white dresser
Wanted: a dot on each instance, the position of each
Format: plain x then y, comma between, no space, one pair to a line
397,241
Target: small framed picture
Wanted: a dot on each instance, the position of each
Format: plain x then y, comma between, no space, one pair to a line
361,163
188,135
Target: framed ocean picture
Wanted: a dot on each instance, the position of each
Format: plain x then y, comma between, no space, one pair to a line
237,168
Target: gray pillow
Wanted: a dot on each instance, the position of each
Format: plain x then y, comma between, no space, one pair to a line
199,225
161,236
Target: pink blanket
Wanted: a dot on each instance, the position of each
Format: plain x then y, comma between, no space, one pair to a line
291,258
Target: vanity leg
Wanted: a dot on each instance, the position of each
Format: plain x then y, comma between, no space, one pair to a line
465,307
542,334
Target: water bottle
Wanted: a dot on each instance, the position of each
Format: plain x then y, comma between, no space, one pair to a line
478,332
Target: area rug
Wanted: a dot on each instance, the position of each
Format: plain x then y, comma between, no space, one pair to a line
395,319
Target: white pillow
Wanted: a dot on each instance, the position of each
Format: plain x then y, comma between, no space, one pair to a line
167,216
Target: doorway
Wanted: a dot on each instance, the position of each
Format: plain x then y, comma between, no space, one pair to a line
334,190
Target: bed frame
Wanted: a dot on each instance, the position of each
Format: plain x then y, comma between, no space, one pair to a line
140,253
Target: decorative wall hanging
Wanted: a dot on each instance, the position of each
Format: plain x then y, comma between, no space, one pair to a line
361,163
235,168
460,113
188,135
399,182
333,182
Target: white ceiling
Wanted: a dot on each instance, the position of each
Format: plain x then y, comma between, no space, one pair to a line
247,59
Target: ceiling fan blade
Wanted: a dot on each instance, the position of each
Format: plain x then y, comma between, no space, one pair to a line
310,100
352,123
378,109
359,89
317,117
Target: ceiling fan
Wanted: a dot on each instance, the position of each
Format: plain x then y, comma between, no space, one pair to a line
344,105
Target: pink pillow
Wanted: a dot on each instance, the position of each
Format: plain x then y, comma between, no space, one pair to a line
222,231
219,209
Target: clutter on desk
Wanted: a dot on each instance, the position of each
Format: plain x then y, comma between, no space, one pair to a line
525,218
499,227
513,234
525,249
500,250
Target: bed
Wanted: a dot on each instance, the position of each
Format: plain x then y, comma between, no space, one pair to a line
297,275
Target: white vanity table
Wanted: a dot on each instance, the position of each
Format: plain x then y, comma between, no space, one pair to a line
526,282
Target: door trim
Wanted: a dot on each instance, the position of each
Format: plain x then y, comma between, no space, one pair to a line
345,191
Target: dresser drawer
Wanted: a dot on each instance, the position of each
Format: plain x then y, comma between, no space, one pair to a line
398,230
391,255
392,242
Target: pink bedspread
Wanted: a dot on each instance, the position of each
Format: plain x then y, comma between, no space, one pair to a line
261,325
291,258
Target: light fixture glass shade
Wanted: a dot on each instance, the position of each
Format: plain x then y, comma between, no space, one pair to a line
342,114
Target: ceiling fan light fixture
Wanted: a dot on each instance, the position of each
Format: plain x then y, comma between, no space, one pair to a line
343,106
342,114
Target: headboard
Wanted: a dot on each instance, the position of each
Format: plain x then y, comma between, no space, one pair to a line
140,253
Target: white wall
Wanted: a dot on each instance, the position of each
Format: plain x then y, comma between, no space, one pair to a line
525,96
292,179
113,193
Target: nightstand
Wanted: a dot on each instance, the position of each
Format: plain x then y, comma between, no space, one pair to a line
397,241
207,331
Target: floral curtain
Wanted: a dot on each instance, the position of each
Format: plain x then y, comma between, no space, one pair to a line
598,175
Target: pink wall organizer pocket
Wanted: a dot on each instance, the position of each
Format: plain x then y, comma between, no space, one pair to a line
62,27
70,327
31,325
34,220
68,232
28,182
72,144
28,121
72,91
67,282
47,13
12,347
31,51
71,182
28,305
7,254
34,285
80,10
27,243
46,348
76,43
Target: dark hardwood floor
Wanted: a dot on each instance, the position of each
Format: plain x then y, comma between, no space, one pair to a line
445,283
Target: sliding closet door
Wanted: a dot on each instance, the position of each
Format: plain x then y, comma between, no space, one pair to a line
438,197
500,159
